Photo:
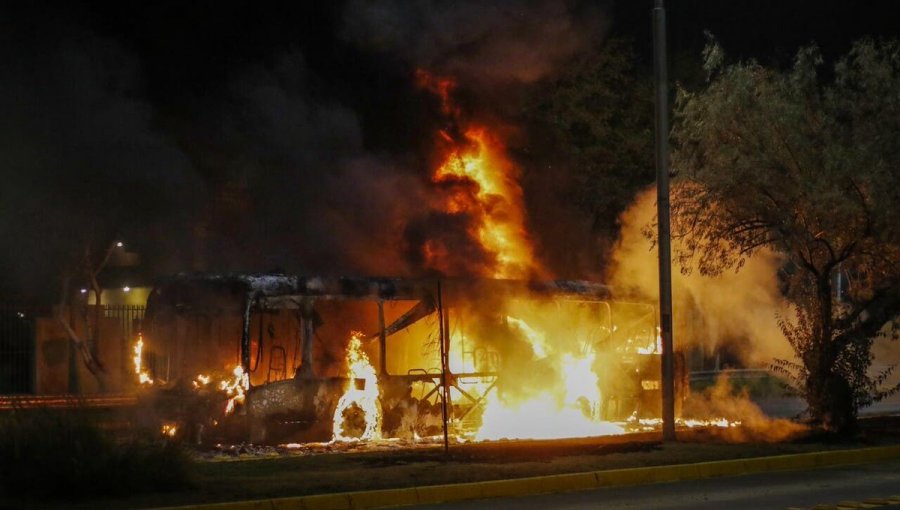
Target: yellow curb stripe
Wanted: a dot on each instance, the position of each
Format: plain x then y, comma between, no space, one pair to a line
365,500
383,498
441,493
290,504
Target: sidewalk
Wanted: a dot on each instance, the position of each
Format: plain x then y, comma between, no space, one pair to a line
363,500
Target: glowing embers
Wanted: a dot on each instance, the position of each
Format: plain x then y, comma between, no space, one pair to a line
653,424
142,375
358,412
232,384
168,430
711,422
201,381
234,388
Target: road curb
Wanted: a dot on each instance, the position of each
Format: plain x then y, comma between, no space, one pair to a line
365,500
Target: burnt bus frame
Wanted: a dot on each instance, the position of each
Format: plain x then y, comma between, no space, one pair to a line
261,292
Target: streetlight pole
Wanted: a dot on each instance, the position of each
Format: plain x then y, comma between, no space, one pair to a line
662,214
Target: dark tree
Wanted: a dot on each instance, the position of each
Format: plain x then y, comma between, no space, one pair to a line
804,163
599,120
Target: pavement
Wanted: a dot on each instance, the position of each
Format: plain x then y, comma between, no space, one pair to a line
510,493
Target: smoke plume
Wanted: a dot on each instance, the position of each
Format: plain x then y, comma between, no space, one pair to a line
720,402
735,311
481,44
81,159
477,60
316,200
277,157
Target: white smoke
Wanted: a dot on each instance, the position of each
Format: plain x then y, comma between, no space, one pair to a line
710,312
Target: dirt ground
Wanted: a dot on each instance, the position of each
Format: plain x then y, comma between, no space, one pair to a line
244,473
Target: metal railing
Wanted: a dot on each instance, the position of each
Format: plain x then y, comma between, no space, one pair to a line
17,348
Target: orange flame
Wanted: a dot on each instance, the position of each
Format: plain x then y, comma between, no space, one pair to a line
142,375
366,398
481,182
568,409
235,388
201,381
169,429
648,424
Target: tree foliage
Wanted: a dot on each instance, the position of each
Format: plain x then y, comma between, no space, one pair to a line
803,161
599,117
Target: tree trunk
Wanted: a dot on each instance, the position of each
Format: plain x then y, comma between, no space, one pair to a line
829,394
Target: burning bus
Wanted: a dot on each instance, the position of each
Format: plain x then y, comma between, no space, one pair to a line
277,358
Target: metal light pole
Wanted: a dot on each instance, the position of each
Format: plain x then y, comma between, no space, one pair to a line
444,332
662,213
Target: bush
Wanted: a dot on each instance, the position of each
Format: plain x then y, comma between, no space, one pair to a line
55,455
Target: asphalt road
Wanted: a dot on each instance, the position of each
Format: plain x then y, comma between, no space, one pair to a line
782,490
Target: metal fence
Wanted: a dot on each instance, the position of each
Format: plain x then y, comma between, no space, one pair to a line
18,342
17,349
129,318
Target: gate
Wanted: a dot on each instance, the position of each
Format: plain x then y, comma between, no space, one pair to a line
17,367
128,318
18,343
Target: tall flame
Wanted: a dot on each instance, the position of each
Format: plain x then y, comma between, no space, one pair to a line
365,398
480,182
138,351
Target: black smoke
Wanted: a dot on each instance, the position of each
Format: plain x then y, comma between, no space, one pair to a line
484,45
82,160
251,139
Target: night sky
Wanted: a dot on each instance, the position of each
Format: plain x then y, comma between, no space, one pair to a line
291,136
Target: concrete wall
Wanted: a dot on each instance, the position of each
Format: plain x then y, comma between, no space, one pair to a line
60,367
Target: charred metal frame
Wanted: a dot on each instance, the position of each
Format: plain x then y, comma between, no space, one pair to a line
445,396
277,291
